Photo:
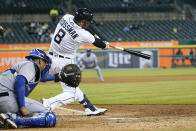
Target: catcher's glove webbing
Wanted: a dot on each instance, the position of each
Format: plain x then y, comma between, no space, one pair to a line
70,75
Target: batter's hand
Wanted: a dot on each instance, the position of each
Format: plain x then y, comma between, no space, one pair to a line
24,111
107,44
95,35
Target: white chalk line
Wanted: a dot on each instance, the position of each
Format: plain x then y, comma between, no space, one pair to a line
72,110
83,113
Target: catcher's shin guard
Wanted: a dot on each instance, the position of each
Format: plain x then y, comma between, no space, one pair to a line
38,119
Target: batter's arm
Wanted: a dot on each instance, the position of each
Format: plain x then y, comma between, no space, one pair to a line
98,41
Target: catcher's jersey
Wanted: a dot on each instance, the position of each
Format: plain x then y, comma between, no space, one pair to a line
25,68
90,61
68,36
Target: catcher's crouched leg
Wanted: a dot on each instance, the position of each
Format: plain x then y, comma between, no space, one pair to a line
38,119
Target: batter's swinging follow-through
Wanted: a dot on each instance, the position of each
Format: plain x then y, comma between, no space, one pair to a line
70,32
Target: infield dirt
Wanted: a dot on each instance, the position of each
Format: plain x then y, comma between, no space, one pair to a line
132,118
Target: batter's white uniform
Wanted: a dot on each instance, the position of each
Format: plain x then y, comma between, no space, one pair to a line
90,62
65,42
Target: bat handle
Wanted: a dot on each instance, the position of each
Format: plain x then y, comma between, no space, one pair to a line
116,47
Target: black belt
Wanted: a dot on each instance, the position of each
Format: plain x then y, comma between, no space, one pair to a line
51,53
4,94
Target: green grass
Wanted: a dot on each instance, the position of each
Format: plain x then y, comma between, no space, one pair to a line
144,72
161,92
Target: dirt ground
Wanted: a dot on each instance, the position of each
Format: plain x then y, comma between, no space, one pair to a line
128,117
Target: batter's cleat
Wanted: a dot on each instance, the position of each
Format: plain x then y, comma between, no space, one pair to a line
88,112
101,110
46,104
6,122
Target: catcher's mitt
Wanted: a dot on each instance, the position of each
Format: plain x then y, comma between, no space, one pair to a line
1,31
70,75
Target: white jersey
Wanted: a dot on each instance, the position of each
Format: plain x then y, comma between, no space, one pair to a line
90,61
68,36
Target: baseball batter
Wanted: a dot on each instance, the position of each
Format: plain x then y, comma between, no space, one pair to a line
69,34
16,84
88,60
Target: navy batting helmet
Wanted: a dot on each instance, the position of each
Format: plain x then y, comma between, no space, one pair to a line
39,54
84,14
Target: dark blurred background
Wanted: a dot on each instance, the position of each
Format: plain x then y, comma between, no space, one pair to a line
33,21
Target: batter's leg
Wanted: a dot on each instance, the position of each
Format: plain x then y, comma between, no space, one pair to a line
90,109
64,98
58,100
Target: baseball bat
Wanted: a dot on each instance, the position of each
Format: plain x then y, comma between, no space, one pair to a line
132,52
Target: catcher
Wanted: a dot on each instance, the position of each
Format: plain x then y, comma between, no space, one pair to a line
17,82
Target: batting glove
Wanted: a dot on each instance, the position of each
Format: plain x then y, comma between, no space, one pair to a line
95,35
107,45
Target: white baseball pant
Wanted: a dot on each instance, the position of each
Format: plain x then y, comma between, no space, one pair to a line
69,94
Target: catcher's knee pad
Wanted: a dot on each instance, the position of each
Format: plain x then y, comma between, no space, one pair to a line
38,119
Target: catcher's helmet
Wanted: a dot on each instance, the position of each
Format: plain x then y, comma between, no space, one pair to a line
84,14
39,54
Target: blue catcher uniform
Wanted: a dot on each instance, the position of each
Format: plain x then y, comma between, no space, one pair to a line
16,84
